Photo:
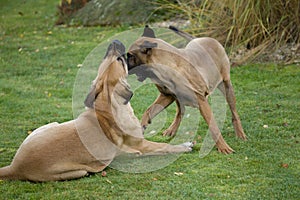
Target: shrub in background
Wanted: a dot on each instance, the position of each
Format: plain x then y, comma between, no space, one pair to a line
110,12
256,25
246,28
68,8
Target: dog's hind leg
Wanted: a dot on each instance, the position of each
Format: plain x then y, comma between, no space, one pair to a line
161,102
171,131
221,87
69,175
230,98
207,114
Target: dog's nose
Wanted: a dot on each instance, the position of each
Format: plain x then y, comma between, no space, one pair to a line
115,48
117,42
119,47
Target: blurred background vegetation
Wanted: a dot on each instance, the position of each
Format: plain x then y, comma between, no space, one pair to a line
248,29
112,12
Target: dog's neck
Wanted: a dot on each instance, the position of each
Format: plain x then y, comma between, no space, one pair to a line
169,53
116,118
103,109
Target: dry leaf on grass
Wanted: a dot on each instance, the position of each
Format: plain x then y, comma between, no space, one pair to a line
178,173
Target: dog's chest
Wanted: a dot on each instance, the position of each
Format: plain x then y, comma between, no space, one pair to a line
125,118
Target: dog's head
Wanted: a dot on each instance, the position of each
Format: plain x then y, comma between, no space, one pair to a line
111,78
142,50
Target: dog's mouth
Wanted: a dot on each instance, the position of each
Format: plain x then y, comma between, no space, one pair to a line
139,72
131,62
141,78
135,67
143,72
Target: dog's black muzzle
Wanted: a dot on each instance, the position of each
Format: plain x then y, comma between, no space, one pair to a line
117,48
131,63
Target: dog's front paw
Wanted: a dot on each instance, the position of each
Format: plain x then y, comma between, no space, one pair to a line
188,145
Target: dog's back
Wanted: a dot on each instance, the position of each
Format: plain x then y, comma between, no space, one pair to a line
215,50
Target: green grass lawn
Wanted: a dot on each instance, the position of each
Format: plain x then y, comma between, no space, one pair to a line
39,63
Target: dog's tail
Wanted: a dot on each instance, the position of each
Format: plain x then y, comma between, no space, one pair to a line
183,34
6,173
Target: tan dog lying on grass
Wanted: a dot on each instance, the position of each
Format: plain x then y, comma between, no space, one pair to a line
89,143
187,76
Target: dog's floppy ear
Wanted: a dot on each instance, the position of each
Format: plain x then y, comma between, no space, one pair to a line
127,95
147,46
123,90
148,32
91,97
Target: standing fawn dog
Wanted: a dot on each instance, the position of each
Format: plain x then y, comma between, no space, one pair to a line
89,143
187,76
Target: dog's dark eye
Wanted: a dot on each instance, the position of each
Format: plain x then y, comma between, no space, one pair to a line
121,59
